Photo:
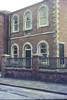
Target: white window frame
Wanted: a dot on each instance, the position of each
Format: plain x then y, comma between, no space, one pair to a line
12,55
38,17
62,65
24,21
38,47
46,62
12,23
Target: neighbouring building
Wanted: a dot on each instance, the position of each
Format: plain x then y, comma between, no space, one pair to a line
62,27
4,23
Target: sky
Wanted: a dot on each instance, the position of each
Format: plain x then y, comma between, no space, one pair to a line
12,5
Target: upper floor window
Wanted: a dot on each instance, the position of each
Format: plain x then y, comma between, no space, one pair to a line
27,20
15,23
43,16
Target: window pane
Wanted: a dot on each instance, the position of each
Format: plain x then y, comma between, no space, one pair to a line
43,16
15,27
15,56
43,45
43,21
28,24
44,55
15,23
15,53
27,47
61,50
15,50
43,48
42,12
61,53
28,20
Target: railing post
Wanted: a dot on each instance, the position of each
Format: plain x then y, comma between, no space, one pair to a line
35,67
3,64
35,63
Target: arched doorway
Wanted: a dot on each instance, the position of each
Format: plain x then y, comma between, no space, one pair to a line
28,55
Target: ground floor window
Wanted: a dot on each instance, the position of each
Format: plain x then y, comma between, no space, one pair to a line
61,53
43,51
26,60
15,51
14,61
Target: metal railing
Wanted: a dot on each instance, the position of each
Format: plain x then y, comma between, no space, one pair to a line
19,62
52,63
41,62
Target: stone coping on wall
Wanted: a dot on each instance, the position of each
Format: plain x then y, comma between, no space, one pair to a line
40,70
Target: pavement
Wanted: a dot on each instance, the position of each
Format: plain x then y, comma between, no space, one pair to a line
35,85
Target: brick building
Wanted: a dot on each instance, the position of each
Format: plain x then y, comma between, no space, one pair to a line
62,25
33,34
34,28
38,31
3,33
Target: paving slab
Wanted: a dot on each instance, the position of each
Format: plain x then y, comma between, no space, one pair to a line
42,86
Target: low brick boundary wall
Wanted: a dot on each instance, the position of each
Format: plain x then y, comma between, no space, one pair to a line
46,75
58,75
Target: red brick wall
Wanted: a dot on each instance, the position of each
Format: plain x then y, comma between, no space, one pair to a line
34,40
1,34
63,24
51,39
34,8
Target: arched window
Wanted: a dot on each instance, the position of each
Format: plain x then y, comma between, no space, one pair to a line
43,16
15,23
27,20
15,51
43,51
